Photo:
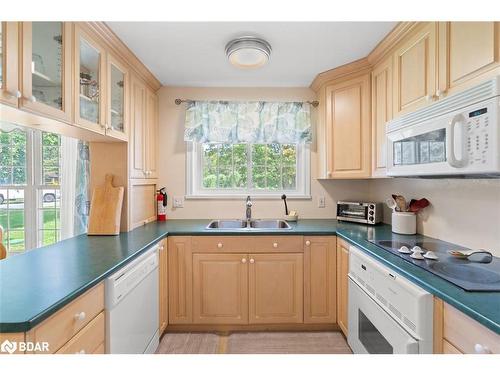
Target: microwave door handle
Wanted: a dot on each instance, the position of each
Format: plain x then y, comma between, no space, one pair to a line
450,142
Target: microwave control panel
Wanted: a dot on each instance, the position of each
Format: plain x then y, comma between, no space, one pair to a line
478,133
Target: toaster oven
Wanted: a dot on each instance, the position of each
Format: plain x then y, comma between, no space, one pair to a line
360,212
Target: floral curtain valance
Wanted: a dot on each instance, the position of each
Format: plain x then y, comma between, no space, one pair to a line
248,122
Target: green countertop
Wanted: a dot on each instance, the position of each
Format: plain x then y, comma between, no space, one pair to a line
37,283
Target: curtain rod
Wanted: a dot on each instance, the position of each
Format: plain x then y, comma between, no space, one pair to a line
178,101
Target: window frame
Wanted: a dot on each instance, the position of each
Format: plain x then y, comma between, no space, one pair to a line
194,189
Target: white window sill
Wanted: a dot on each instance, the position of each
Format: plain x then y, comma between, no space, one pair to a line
243,196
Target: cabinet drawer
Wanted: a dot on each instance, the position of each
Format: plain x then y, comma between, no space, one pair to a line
272,244
64,324
220,244
88,340
465,333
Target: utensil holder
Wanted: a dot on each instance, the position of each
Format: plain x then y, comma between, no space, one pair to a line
404,222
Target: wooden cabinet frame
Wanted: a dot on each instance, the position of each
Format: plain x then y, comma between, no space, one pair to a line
64,114
10,50
100,126
110,61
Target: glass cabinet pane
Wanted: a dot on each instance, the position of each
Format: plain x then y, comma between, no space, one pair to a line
47,63
89,82
117,98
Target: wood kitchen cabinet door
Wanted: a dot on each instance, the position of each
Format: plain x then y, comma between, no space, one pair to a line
137,125
469,53
381,114
348,120
163,287
151,134
342,284
320,282
9,62
220,288
180,280
415,71
275,288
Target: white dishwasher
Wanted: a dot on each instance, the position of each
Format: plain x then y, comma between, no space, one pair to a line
132,306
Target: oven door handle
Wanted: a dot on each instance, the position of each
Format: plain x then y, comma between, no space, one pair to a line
450,142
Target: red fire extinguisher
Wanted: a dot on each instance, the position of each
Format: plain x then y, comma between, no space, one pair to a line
161,202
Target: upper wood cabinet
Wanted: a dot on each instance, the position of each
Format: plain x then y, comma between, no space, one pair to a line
415,70
90,83
381,114
117,106
9,57
220,288
47,68
469,53
163,287
348,128
275,288
342,284
144,131
320,283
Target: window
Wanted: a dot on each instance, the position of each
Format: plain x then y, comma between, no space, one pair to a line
233,170
29,202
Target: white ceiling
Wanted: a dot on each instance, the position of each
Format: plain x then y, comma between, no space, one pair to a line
192,53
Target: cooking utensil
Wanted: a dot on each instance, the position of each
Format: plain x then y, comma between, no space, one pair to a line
400,202
284,200
106,208
418,204
391,203
472,255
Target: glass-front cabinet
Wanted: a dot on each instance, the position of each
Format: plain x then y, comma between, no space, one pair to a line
89,82
9,77
46,64
117,98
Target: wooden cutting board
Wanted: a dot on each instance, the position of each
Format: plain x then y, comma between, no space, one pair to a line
106,209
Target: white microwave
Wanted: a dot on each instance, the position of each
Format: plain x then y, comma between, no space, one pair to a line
456,137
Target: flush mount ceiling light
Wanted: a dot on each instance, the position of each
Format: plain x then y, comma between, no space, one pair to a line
248,52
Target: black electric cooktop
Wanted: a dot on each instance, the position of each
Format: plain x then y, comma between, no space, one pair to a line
470,275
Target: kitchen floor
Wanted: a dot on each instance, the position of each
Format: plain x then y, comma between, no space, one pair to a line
254,343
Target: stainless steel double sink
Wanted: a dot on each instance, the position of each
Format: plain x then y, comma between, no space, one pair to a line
254,224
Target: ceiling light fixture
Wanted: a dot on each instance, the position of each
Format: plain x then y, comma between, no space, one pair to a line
248,52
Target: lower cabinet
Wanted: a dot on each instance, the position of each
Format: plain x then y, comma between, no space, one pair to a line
163,287
342,283
275,288
456,333
230,280
220,288
320,284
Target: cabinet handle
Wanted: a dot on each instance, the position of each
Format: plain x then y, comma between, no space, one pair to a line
275,244
440,93
80,352
482,349
328,174
162,247
16,94
252,260
243,261
219,245
80,316
107,127
430,98
308,243
31,98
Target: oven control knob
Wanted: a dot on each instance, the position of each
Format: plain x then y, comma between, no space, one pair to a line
370,218
371,206
371,212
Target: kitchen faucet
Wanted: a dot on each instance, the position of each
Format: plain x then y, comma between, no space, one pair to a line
249,209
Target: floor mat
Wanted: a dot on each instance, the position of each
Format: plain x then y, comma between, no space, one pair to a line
287,343
188,343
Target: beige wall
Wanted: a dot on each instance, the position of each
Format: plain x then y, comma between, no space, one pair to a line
173,161
465,212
